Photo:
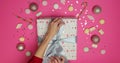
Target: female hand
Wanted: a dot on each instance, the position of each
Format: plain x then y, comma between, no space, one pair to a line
56,59
54,27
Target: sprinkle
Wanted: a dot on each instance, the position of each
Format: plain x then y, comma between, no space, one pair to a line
63,1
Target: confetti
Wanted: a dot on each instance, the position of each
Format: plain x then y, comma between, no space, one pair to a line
102,21
96,9
94,45
33,7
101,31
95,39
39,14
86,49
56,6
70,8
77,2
44,2
102,51
21,39
30,26
20,46
90,17
19,26
27,11
28,53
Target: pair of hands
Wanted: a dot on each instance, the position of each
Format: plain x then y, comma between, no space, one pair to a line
55,59
53,28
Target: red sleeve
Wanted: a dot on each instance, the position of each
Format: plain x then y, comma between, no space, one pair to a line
35,60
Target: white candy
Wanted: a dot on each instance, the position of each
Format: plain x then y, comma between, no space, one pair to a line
28,53
90,17
39,14
22,39
102,51
44,3
30,26
56,6
19,26
101,31
86,49
27,11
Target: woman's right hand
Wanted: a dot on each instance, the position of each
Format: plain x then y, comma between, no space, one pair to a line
56,59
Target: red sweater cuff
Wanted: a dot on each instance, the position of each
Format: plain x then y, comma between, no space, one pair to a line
35,60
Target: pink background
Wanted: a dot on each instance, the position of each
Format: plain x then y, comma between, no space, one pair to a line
9,35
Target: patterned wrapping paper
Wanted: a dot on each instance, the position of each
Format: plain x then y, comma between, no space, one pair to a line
66,36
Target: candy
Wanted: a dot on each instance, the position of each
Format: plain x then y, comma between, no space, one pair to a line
30,26
19,26
95,39
22,39
86,31
20,46
102,21
101,31
94,45
33,7
90,17
56,6
39,14
44,2
96,9
86,49
27,11
70,8
92,29
28,53
102,51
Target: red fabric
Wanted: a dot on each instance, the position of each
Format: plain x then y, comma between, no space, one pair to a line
35,60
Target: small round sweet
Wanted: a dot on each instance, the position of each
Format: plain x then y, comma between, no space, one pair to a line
70,8
102,51
28,53
27,11
20,46
44,2
22,39
30,26
33,7
96,9
95,39
86,49
56,6
102,21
